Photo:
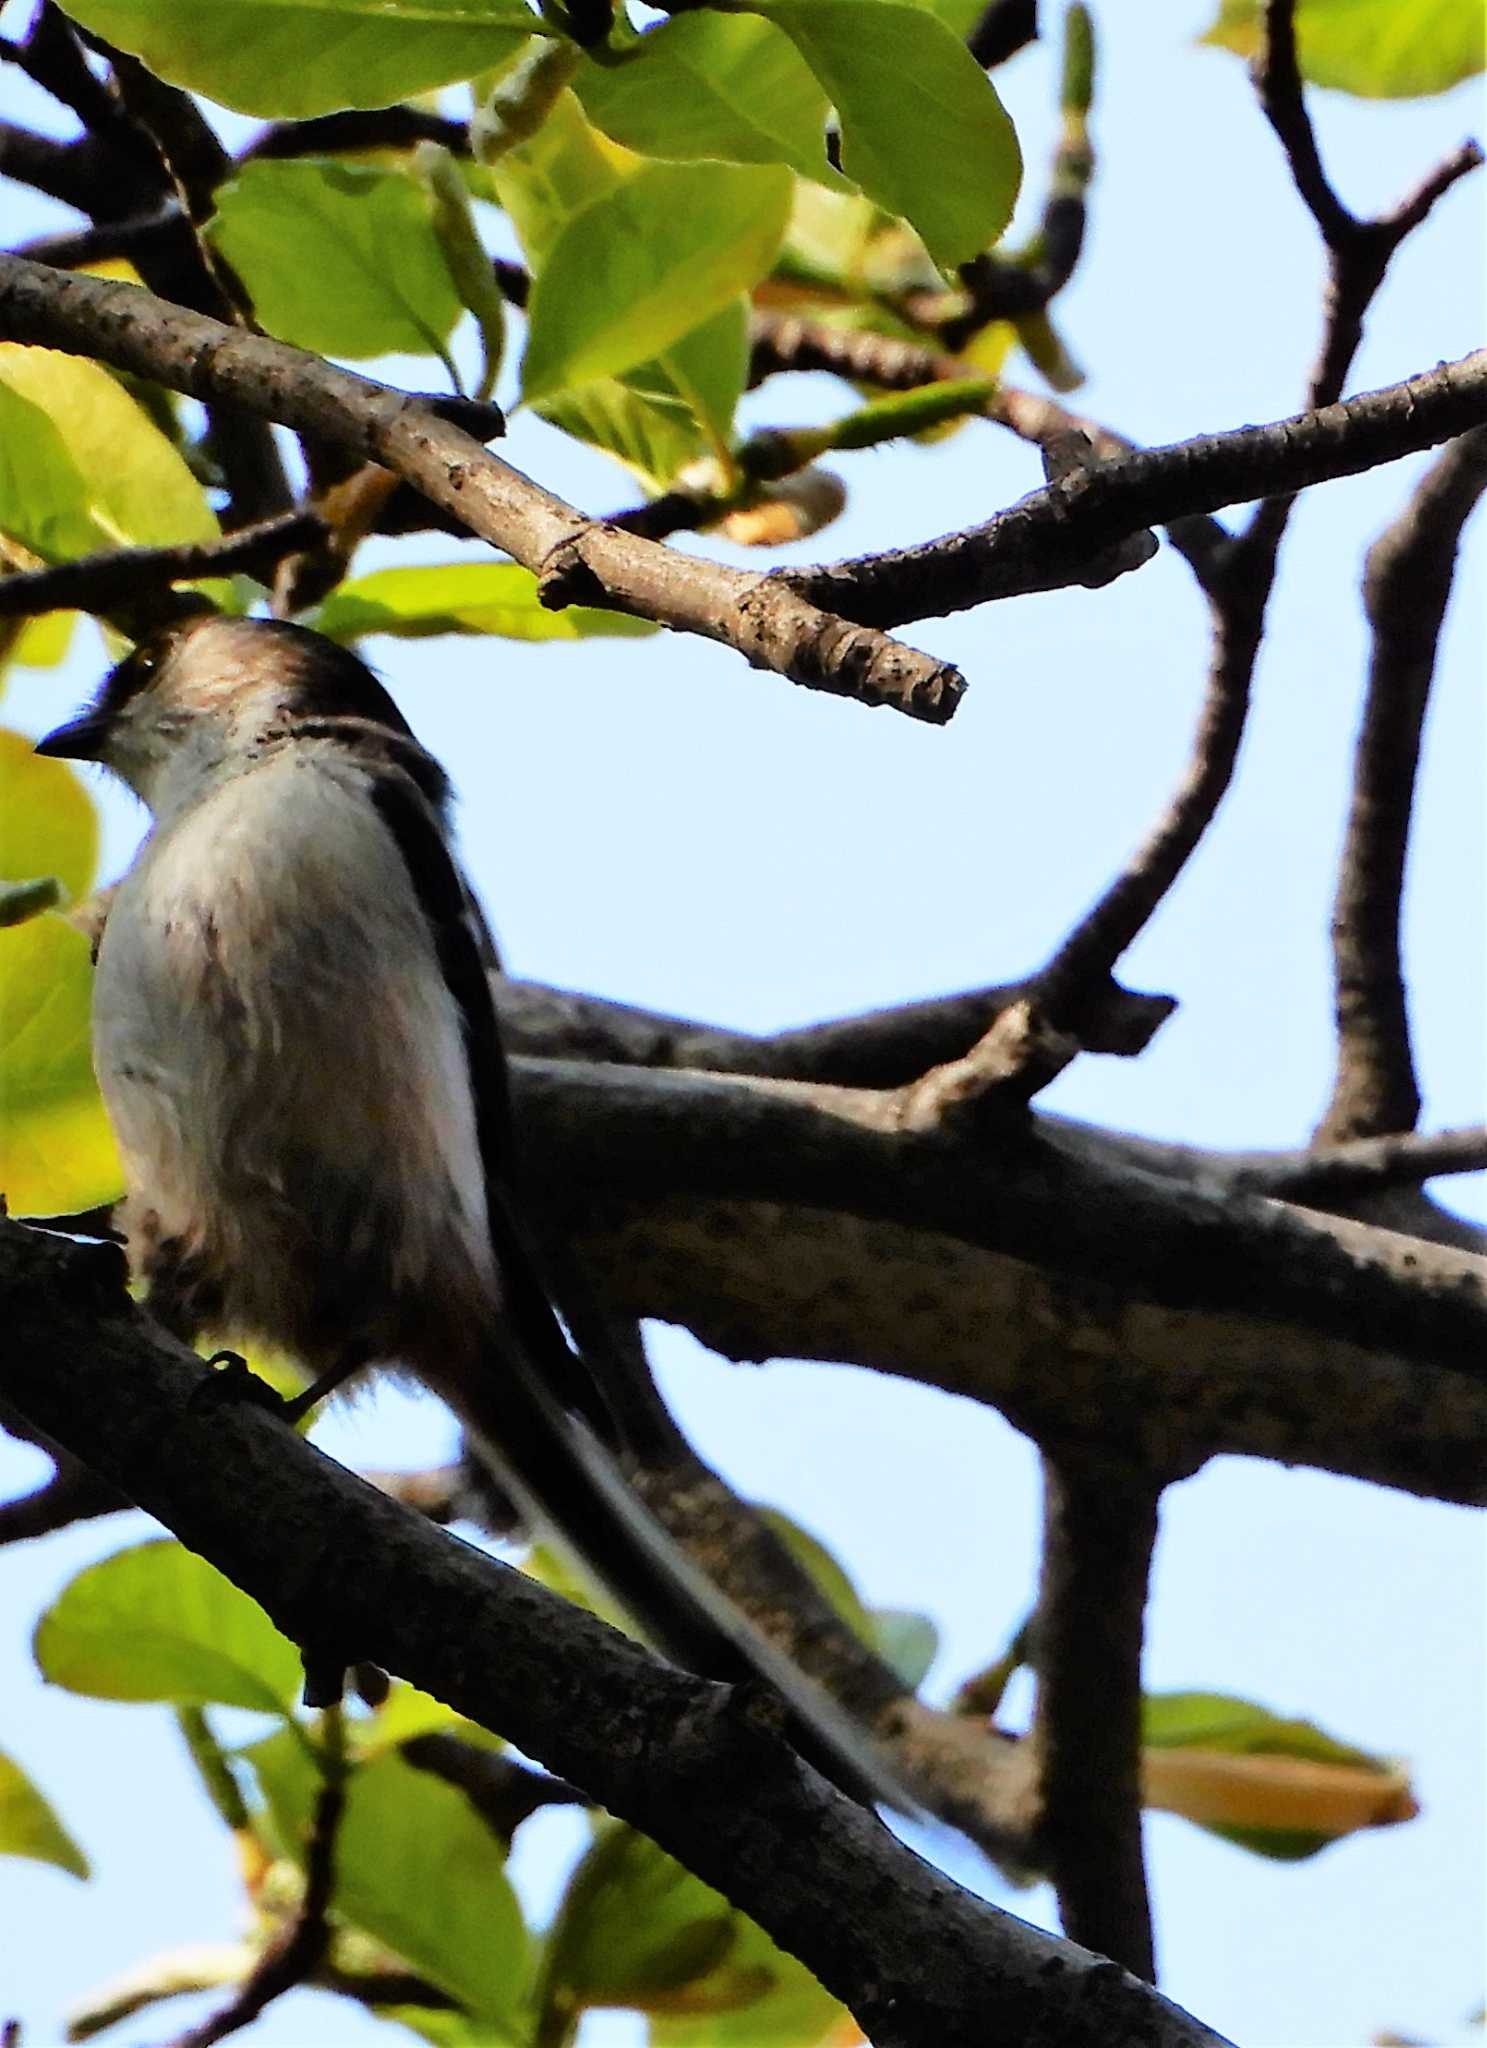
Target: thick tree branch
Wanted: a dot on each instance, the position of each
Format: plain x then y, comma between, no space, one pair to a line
921,1963
1099,1529
577,560
1161,1314
1406,587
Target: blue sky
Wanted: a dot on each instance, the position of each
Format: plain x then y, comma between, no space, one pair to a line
653,821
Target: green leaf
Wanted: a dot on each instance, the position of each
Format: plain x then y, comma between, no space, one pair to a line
407,1713
564,168
57,1152
43,641
29,1827
48,821
142,495
1276,1786
44,502
646,263
757,1997
302,57
713,85
452,219
663,415
156,1622
338,258
911,101
1375,49
634,1929
416,1868
810,1553
462,597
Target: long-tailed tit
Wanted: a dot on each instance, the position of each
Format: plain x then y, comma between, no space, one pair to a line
295,1039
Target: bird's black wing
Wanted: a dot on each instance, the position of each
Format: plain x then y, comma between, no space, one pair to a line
549,1422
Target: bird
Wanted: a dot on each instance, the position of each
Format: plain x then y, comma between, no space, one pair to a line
296,1043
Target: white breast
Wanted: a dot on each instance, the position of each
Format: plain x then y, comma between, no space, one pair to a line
282,1060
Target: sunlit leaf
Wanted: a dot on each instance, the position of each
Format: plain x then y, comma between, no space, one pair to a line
57,1152
639,268
923,131
567,166
28,1825
713,85
1376,49
44,501
462,597
338,257
48,820
301,57
156,1622
635,1929
757,1997
663,415
416,1868
143,493
1277,1786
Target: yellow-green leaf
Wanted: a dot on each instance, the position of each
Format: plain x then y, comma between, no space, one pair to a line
302,57
1277,1786
663,415
462,597
415,1867
156,1622
57,1152
137,487
713,85
28,1825
1375,49
642,266
48,821
923,132
562,169
338,257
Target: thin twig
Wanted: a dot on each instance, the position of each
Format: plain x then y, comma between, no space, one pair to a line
293,1957
1340,1169
1406,587
128,578
1240,592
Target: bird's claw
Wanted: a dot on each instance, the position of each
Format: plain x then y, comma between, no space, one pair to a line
233,1381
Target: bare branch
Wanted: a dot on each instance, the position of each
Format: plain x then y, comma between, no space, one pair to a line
1099,1529
128,578
921,1963
1406,587
576,559
1045,541
778,1220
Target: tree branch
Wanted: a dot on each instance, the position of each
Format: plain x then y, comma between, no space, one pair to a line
787,1221
129,578
1099,1529
577,560
921,1963
1406,587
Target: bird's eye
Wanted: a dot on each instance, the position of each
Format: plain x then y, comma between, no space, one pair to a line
144,662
